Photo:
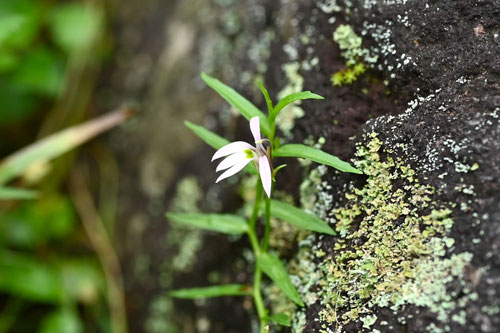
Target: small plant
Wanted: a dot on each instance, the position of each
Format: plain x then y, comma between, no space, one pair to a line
238,155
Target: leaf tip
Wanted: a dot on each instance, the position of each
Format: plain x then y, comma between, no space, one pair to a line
356,171
316,96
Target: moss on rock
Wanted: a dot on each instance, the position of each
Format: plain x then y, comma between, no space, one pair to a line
391,251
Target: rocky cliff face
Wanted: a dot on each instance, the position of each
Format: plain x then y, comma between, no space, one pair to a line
412,97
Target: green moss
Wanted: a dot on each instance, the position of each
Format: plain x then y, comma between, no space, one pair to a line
391,250
350,44
355,55
348,75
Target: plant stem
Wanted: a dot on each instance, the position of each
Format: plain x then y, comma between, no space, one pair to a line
100,241
272,121
255,212
257,296
267,229
252,234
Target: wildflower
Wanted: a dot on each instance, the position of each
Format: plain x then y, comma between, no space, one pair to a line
239,154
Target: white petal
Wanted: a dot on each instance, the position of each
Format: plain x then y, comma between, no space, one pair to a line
231,148
231,160
255,128
265,174
234,169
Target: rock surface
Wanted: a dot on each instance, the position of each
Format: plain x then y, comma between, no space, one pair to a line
420,117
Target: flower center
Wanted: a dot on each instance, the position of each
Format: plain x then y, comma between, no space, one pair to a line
249,153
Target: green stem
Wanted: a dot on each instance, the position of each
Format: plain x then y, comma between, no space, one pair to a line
267,229
257,281
255,212
272,121
257,296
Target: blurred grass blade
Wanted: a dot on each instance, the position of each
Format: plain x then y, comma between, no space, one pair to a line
281,318
10,193
299,218
293,98
274,268
214,291
225,223
245,107
269,102
316,155
57,144
213,140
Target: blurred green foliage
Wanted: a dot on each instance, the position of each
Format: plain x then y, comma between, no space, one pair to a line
48,272
36,39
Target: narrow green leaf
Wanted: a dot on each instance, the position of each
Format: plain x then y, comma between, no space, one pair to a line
214,291
213,140
10,193
274,268
275,171
280,318
57,144
293,98
316,155
225,223
245,107
299,217
269,102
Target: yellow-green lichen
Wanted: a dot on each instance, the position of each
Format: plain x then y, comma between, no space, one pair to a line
348,75
392,248
355,55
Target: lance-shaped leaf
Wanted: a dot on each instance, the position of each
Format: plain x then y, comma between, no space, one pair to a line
213,140
299,218
280,318
316,155
269,102
244,106
213,291
10,193
225,223
274,268
57,144
293,98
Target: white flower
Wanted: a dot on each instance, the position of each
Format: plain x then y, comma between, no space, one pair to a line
240,153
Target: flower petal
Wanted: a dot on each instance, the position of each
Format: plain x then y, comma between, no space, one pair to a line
255,128
233,147
231,160
265,174
234,169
